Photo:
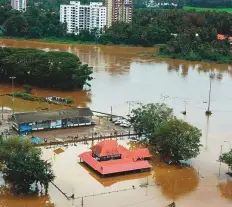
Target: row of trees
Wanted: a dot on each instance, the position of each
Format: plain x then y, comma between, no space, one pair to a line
227,158
59,70
22,165
151,27
171,138
210,3
191,47
34,23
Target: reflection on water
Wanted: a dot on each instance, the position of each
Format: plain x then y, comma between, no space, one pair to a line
226,189
9,200
108,181
123,74
174,181
115,60
164,184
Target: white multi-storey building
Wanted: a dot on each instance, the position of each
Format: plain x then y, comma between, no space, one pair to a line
20,5
83,17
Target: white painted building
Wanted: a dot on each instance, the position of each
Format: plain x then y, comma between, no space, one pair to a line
83,17
20,5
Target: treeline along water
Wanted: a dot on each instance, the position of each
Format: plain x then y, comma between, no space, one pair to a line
57,70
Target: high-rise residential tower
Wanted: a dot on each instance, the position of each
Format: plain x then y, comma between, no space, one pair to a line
83,17
119,11
20,5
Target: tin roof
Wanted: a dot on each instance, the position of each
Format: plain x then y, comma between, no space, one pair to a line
29,117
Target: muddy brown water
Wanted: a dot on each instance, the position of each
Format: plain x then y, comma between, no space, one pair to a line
123,74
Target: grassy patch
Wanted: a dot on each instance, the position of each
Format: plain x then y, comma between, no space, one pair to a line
229,10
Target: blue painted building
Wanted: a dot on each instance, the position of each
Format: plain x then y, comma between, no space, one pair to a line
27,122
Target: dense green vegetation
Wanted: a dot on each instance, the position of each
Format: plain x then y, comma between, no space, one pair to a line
60,70
28,96
184,34
171,138
23,166
34,23
227,158
188,35
210,3
188,46
229,10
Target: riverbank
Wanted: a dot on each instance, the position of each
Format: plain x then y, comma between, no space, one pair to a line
149,53
181,58
188,58
66,40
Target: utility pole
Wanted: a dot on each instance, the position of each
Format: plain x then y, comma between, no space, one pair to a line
92,134
129,116
111,112
2,105
208,112
12,82
2,111
184,112
220,163
82,202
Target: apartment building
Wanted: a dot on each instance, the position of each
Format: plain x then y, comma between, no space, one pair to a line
119,11
20,5
79,16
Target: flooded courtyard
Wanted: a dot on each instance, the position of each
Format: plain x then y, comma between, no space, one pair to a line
163,185
123,75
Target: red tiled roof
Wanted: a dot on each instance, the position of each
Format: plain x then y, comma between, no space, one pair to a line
124,167
87,156
223,37
105,148
111,147
114,166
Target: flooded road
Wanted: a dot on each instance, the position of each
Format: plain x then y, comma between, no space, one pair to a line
123,75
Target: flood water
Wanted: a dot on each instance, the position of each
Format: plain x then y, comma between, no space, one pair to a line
122,75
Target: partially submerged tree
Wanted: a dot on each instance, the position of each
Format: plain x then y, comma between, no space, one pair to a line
227,158
23,166
176,140
168,136
147,118
27,88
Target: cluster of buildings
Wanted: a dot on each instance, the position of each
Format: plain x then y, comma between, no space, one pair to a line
95,15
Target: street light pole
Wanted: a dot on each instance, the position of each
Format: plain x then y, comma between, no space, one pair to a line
12,82
208,112
2,105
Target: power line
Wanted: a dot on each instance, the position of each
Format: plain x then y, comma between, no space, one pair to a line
138,202
109,192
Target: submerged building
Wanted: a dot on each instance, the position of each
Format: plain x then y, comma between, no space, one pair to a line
108,157
33,121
